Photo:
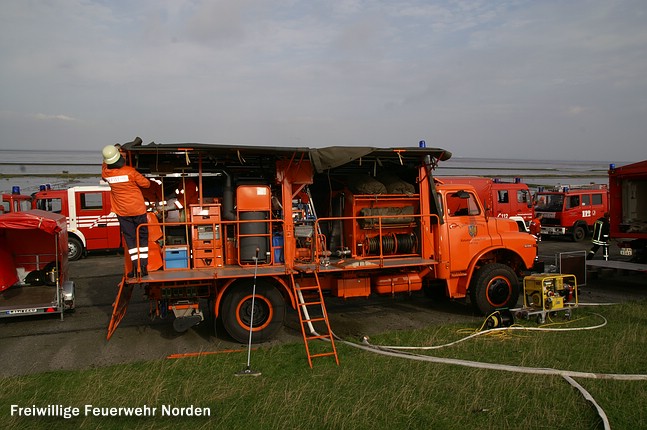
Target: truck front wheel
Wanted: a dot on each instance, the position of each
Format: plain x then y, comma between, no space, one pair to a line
494,286
269,311
74,248
579,233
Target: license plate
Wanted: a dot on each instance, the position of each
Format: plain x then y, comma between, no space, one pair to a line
626,251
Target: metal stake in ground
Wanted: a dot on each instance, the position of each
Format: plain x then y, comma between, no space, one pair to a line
248,371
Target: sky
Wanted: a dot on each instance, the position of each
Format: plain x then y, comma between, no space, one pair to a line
529,79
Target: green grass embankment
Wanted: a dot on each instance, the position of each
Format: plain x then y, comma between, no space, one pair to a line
370,391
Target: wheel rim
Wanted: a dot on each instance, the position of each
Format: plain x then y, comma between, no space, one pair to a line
263,312
499,291
72,249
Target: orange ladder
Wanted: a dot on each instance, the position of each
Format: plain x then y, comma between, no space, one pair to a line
312,313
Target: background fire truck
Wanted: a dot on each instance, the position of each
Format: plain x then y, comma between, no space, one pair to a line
571,210
628,210
279,227
501,199
91,224
14,202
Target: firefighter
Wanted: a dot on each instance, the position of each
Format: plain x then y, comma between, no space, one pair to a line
600,237
128,203
535,227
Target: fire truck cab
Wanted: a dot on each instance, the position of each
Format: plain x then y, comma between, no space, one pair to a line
501,199
14,202
91,224
571,210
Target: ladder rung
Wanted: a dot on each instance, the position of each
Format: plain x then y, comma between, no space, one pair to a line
320,336
310,303
314,320
308,287
323,354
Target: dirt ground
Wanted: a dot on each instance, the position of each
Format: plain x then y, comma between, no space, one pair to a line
38,344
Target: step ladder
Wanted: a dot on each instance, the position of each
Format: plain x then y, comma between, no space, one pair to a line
313,317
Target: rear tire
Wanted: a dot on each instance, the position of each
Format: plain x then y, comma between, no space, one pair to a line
269,311
494,286
74,248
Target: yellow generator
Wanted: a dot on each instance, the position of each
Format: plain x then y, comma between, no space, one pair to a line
548,293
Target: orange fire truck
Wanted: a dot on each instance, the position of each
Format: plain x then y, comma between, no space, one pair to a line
571,210
278,226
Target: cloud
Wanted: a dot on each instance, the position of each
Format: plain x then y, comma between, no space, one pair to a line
473,76
42,116
575,110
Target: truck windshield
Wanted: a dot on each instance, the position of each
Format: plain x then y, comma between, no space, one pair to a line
550,202
50,205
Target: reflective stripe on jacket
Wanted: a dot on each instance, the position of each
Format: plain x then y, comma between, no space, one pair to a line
125,192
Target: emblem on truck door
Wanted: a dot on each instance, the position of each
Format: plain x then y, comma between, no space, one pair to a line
472,230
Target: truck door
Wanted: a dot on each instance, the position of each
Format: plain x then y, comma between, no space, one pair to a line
94,221
523,206
502,207
598,205
467,227
572,210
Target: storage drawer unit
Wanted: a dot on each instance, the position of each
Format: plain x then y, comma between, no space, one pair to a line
176,257
206,236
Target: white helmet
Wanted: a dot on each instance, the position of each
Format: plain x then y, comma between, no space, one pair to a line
110,154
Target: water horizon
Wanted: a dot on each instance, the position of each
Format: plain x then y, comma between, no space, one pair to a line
31,168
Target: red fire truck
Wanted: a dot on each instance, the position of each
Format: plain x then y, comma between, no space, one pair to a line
571,210
91,224
274,227
628,210
14,202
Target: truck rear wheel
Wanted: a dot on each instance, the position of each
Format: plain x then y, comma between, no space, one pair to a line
494,286
269,311
74,248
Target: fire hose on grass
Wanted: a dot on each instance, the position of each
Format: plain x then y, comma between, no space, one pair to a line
399,352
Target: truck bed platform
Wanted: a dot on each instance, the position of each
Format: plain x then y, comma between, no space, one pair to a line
247,271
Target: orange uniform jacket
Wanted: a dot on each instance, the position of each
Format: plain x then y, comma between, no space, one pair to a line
126,195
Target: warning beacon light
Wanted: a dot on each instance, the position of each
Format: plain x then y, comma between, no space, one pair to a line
15,189
422,144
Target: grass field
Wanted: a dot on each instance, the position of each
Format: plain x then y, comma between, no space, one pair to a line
367,390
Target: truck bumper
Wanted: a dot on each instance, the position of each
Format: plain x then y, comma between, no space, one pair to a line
553,231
